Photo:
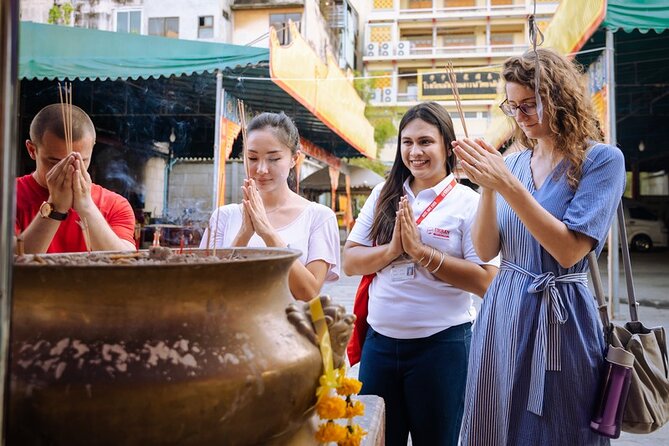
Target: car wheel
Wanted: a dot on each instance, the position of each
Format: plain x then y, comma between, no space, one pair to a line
642,243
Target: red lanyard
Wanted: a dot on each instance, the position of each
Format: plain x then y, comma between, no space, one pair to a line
438,199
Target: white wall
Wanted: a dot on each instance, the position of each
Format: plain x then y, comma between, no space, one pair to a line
35,10
154,183
188,12
314,29
190,189
253,25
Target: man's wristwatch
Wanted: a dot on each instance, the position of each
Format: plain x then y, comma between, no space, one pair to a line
46,210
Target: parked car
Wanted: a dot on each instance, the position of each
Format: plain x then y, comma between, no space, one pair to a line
645,230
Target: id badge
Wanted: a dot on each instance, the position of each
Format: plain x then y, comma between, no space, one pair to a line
401,272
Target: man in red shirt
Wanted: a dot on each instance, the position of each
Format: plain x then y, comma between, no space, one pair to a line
54,201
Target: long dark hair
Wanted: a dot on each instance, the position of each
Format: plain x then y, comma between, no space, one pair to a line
386,206
285,131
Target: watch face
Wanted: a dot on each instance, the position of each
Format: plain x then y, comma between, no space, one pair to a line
45,209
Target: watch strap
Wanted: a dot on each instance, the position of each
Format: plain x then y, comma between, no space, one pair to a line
55,215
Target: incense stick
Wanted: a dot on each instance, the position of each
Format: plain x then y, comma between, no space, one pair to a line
87,235
65,94
20,250
242,121
218,213
62,110
458,104
69,107
208,231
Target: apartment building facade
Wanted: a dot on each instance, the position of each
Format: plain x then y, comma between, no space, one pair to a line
408,44
328,25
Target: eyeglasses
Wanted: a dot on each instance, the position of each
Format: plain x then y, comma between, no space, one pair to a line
510,109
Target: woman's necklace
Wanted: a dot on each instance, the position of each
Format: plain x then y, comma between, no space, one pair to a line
276,208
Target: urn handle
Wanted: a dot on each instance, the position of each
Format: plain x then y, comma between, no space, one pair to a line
340,325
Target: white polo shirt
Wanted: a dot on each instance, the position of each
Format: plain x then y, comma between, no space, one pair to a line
424,305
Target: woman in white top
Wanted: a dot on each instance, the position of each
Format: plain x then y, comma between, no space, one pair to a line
420,308
273,215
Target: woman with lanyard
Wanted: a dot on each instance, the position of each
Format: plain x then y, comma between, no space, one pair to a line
538,345
272,214
414,233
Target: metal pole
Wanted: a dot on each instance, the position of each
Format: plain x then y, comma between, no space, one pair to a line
217,136
613,256
9,85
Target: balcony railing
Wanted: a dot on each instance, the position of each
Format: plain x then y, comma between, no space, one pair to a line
409,51
387,96
544,7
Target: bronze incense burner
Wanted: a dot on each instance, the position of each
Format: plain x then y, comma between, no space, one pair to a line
162,353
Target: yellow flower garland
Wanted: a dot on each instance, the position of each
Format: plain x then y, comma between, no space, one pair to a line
333,385
331,408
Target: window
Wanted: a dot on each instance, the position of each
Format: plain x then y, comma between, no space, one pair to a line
129,22
205,27
280,23
466,40
420,4
640,213
501,40
164,26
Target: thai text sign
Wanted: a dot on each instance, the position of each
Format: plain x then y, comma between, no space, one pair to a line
471,85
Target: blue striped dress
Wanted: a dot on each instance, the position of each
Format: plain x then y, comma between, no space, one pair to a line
537,347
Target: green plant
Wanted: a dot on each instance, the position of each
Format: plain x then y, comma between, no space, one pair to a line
364,86
67,12
384,130
60,14
375,166
55,15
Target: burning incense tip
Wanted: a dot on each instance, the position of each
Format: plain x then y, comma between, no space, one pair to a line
156,238
20,249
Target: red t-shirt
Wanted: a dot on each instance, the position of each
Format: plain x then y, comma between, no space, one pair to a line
69,237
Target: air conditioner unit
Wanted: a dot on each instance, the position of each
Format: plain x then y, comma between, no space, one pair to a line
384,49
388,94
372,49
403,48
378,95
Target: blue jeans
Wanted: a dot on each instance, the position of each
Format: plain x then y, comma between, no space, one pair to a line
422,382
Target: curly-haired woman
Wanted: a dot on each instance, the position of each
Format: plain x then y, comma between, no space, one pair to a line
538,347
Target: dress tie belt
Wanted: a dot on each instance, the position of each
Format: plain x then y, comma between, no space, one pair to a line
552,314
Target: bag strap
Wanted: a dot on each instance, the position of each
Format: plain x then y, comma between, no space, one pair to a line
597,279
631,295
599,290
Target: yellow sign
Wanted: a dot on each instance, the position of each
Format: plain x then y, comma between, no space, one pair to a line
471,85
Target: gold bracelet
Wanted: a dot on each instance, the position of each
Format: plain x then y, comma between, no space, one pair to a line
430,259
420,261
440,263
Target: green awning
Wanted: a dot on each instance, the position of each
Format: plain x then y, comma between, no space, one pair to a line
641,15
61,52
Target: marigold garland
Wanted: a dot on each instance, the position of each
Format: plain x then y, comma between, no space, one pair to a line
348,386
335,402
354,409
333,385
354,436
331,408
330,431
